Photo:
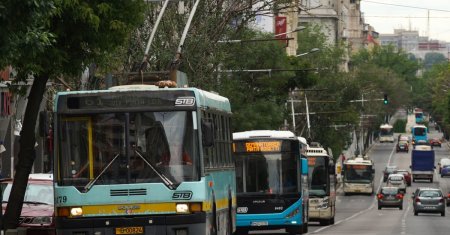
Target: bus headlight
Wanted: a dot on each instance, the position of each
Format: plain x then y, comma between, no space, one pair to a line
292,214
324,204
76,211
182,208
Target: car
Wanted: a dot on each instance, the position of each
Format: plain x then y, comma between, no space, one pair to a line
38,205
390,197
428,200
406,174
443,162
397,180
402,146
435,142
387,171
445,171
404,138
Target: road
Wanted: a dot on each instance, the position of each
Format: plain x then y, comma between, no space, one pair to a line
358,214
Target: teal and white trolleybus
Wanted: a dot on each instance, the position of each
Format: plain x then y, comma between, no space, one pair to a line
139,159
270,177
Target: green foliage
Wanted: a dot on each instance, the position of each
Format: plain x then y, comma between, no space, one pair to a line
400,126
433,58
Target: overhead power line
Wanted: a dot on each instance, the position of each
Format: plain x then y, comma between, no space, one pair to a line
398,5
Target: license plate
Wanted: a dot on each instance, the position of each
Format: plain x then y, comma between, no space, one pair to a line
357,190
260,223
430,207
130,230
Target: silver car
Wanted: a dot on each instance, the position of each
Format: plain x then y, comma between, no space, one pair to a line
429,200
390,197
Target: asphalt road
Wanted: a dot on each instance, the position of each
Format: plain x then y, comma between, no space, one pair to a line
358,214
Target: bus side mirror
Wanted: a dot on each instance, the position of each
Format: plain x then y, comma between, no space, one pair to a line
304,166
207,133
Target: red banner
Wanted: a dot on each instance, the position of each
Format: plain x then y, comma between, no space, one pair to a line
280,27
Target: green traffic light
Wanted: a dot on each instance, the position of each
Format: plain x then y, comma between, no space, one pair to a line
385,102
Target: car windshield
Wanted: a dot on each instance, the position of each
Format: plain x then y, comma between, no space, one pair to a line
389,191
34,194
390,169
430,193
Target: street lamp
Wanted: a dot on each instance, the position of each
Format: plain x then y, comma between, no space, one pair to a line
264,39
309,52
299,28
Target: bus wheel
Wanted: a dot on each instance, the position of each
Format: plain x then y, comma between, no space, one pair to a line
213,227
230,218
295,230
332,220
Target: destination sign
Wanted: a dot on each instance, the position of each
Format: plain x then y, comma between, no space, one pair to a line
270,146
357,167
255,146
127,100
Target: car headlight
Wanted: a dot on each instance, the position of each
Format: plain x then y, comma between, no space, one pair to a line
42,220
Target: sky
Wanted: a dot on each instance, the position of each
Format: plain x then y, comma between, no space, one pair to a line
387,15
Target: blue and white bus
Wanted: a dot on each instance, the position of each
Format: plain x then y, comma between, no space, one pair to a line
419,134
139,159
418,114
271,179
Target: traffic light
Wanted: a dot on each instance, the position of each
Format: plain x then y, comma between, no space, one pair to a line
385,100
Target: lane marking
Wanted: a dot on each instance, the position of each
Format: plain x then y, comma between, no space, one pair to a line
362,211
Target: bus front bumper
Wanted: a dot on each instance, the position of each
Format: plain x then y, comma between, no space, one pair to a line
191,224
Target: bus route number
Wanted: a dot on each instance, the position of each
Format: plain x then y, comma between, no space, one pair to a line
61,199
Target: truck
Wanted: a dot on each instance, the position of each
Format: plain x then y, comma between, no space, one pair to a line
422,163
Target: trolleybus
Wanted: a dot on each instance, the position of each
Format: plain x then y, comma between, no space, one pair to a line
419,134
386,133
270,176
322,185
418,114
139,159
359,175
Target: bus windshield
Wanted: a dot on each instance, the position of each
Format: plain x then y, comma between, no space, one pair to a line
358,173
420,131
386,132
318,176
122,148
267,173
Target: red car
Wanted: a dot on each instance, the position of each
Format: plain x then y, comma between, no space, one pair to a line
435,142
37,210
407,175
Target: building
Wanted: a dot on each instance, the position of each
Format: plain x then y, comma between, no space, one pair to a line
411,42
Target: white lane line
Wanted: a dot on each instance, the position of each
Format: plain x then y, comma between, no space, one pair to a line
363,211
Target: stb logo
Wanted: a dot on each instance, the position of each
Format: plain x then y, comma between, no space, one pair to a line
185,101
182,195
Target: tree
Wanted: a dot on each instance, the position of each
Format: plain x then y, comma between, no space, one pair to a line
432,58
52,38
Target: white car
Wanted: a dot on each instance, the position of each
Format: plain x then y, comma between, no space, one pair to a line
443,162
397,180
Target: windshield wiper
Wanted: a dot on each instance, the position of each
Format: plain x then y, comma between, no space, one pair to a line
164,178
35,202
92,182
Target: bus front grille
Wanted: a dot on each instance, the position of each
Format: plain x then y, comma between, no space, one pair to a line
128,192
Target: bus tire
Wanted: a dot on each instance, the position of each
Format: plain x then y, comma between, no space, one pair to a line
213,228
230,218
332,220
324,222
295,230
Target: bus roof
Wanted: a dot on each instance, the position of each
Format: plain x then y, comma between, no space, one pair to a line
419,126
203,98
315,151
358,161
264,134
386,126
